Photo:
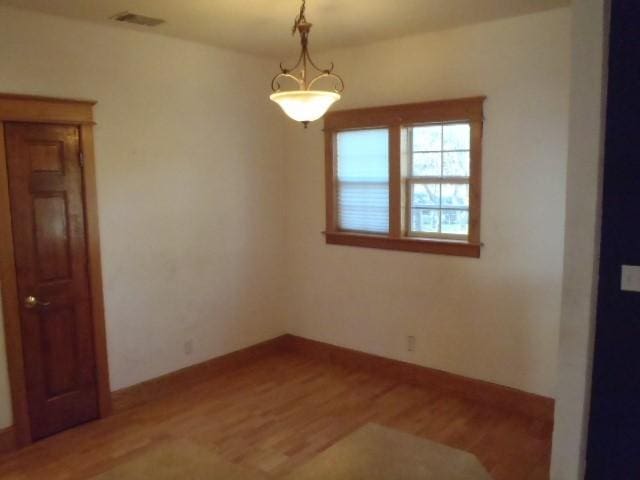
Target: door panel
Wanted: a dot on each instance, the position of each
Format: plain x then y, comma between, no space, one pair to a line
59,347
51,237
45,184
614,428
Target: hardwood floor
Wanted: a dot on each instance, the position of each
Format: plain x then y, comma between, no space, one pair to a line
279,412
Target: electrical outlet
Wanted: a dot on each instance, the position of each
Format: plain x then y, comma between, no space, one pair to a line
411,343
188,347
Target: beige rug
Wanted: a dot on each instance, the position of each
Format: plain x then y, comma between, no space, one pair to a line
179,460
378,453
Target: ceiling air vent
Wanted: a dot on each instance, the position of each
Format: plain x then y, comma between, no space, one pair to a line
137,19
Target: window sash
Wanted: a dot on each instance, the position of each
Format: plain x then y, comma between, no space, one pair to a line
371,183
412,180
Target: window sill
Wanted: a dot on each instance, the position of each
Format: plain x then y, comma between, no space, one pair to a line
407,244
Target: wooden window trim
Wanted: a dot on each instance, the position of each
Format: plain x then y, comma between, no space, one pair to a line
34,109
395,117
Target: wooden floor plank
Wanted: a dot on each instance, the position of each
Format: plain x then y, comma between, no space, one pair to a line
280,411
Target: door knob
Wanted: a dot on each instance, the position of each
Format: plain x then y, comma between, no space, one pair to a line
33,302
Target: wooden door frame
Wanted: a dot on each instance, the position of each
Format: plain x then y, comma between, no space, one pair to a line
31,109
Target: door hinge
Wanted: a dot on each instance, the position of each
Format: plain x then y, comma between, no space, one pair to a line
81,159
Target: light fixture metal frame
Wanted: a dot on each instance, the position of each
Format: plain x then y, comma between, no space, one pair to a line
302,26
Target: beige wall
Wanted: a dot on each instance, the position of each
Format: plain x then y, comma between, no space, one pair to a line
193,178
189,173
582,239
496,318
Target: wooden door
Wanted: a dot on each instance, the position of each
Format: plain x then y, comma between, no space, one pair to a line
48,219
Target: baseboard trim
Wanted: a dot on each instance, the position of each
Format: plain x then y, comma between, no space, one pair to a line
499,396
177,381
8,440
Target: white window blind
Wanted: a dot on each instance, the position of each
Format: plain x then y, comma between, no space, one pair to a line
363,181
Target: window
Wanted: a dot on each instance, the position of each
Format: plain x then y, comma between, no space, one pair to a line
406,177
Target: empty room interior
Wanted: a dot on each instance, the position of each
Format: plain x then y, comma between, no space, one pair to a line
301,239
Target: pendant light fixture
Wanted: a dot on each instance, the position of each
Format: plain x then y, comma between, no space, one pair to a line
305,104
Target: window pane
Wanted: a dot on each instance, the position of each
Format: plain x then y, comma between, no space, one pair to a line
455,195
363,155
363,180
427,139
427,164
457,136
455,164
425,220
455,222
425,195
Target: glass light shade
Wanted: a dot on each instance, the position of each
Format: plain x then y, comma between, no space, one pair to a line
305,105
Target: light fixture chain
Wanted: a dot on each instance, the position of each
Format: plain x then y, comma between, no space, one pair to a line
300,18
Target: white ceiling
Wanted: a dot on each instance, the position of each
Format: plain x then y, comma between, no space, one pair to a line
263,27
